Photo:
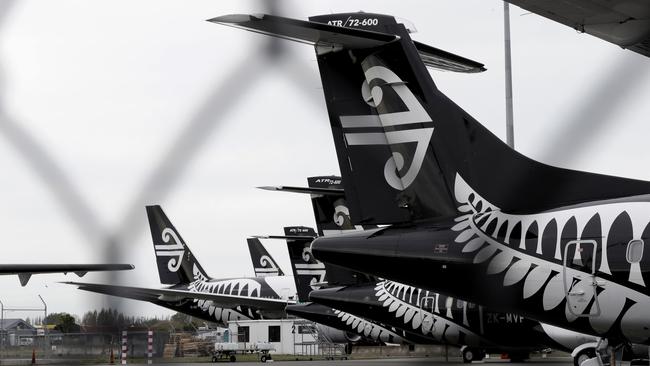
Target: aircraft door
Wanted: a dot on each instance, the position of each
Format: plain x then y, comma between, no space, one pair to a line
579,278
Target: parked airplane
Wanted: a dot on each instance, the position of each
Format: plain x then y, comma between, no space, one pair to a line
338,326
25,271
331,217
560,246
195,293
475,329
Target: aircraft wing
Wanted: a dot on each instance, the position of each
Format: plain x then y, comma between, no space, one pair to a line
623,22
25,271
172,295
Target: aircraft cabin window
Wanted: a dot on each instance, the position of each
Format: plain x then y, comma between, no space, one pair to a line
634,251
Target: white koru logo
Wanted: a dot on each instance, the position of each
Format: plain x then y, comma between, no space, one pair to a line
416,114
268,267
306,255
341,213
174,250
315,270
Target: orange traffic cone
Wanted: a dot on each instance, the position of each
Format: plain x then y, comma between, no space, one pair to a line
112,359
33,356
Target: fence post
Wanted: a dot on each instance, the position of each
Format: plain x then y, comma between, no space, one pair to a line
124,347
149,346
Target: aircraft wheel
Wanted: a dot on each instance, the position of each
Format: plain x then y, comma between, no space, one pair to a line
233,358
469,355
583,356
263,358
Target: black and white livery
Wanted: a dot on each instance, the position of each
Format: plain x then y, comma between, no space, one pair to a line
192,291
339,327
560,246
263,263
417,314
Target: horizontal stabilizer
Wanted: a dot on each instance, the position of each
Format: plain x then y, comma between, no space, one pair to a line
172,295
443,60
284,237
326,37
320,191
317,34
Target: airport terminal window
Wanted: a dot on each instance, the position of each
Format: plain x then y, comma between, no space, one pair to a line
243,335
274,333
634,251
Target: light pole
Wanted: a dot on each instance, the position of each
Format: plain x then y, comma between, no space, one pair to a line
45,338
510,134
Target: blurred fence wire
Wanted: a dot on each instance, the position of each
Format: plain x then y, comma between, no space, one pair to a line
201,124
618,82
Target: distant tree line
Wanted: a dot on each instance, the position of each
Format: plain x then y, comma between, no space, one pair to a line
113,320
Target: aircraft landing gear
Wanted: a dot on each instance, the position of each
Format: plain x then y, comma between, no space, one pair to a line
584,355
472,354
602,353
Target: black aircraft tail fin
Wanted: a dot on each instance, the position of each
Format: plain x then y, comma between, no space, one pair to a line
405,150
333,217
263,263
330,211
176,263
308,273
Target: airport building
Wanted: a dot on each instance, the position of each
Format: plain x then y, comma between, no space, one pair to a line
285,336
16,332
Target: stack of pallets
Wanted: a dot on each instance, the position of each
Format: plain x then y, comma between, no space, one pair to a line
170,350
185,345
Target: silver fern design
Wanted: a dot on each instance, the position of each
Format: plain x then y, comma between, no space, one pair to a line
402,301
240,287
366,328
480,230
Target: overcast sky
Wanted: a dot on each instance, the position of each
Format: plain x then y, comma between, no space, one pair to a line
107,88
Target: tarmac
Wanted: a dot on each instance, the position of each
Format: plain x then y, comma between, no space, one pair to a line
559,361
397,362
394,362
